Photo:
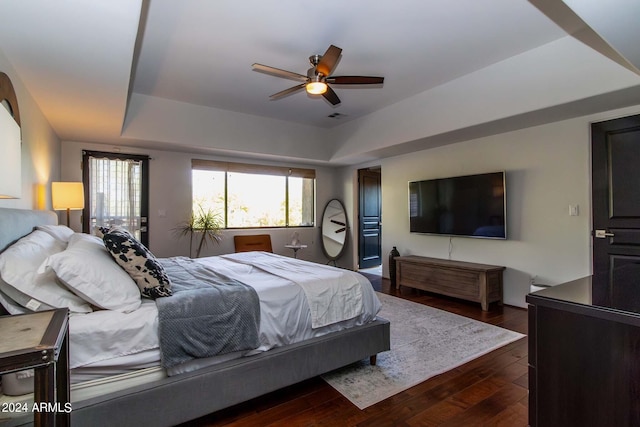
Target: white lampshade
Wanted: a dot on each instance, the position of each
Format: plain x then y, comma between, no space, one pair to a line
67,195
10,159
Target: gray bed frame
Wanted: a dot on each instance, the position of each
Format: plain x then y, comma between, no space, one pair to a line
177,399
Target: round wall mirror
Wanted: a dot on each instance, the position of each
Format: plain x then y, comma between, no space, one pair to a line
334,230
8,97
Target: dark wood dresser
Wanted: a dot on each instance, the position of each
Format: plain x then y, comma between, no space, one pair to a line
584,359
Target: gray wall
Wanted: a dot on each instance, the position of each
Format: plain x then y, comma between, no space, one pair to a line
170,201
40,149
547,169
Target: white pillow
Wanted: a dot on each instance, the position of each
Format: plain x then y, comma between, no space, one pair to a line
87,268
11,306
60,232
19,265
23,300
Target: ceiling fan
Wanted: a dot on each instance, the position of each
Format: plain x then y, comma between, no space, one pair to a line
318,77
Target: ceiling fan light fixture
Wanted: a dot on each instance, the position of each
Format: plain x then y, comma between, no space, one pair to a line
316,88
315,82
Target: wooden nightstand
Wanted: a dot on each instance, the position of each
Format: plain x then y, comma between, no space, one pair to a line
39,341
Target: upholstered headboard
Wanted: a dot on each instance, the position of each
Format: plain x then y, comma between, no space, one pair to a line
15,223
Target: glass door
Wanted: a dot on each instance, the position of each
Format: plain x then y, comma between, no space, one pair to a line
116,189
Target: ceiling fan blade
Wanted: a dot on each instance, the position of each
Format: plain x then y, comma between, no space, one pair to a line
331,96
286,92
329,60
355,80
278,72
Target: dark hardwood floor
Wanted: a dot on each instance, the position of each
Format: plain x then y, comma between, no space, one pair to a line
488,391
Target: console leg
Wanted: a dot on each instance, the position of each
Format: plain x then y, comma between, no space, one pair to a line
372,359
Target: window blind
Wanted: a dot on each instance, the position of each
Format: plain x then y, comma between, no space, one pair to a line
213,165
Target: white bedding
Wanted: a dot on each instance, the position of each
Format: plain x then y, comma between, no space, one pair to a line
333,295
108,339
108,334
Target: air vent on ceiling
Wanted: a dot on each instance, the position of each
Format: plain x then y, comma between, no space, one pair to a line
336,116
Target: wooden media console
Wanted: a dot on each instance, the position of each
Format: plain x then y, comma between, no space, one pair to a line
466,280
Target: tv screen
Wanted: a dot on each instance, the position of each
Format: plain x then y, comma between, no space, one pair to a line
473,206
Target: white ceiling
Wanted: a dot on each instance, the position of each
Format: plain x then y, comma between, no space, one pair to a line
83,61
201,52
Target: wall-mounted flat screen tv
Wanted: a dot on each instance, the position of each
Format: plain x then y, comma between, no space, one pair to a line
472,206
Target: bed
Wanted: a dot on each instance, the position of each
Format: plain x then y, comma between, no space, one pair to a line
105,393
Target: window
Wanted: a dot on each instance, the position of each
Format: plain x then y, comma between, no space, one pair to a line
116,187
251,196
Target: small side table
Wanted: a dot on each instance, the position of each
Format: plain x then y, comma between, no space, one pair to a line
295,248
39,341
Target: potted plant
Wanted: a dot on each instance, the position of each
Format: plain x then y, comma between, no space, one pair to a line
205,222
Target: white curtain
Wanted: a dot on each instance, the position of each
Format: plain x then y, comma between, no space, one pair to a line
115,192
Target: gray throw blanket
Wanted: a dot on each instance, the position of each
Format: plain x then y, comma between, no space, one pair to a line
208,314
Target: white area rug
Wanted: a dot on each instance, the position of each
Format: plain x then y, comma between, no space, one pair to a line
425,342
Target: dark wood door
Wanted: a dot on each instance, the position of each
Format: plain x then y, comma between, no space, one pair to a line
370,223
616,211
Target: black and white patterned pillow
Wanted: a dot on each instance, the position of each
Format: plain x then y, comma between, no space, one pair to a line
101,230
139,262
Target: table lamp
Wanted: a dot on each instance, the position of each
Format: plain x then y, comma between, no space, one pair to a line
67,195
